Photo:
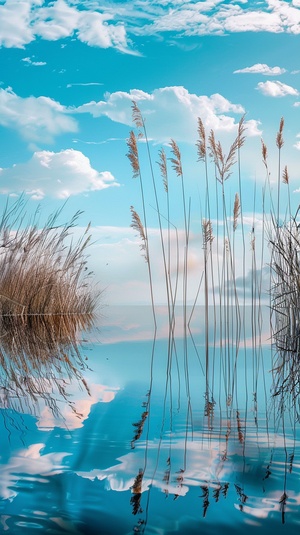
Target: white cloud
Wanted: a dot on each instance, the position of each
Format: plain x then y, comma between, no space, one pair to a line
28,61
93,29
56,21
15,27
276,89
57,174
35,118
261,68
217,17
21,22
171,112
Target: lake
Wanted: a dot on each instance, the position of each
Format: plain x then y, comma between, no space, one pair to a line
170,437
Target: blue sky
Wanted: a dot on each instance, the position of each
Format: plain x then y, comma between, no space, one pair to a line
69,73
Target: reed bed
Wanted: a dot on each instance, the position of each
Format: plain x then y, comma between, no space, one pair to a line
285,292
47,297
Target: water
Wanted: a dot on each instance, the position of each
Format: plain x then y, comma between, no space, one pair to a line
157,447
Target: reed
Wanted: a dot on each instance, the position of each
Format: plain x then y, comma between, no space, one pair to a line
232,295
47,297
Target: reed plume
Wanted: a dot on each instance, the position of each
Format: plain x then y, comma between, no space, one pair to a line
201,143
133,155
285,175
279,137
207,232
137,225
163,169
176,161
222,162
236,211
137,116
264,152
279,143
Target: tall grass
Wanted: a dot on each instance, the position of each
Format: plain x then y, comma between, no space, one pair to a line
47,297
223,263
237,249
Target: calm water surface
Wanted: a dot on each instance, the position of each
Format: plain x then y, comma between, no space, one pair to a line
158,447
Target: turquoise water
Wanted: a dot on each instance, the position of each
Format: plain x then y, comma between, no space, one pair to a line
157,447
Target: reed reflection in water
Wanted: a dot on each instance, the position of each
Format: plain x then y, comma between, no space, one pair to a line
237,451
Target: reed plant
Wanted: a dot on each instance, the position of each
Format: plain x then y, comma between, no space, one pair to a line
222,264
231,291
47,297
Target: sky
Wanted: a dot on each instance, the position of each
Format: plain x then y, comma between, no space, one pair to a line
69,73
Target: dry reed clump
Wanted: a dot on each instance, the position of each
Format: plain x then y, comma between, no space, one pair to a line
46,299
285,294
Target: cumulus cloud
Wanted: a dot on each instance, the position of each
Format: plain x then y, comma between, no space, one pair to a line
276,89
57,174
261,68
35,118
22,22
171,112
15,23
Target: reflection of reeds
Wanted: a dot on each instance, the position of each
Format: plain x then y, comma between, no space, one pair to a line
205,496
282,503
242,497
137,493
45,301
139,426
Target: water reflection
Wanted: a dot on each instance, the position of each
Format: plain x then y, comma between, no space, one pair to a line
162,448
40,357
